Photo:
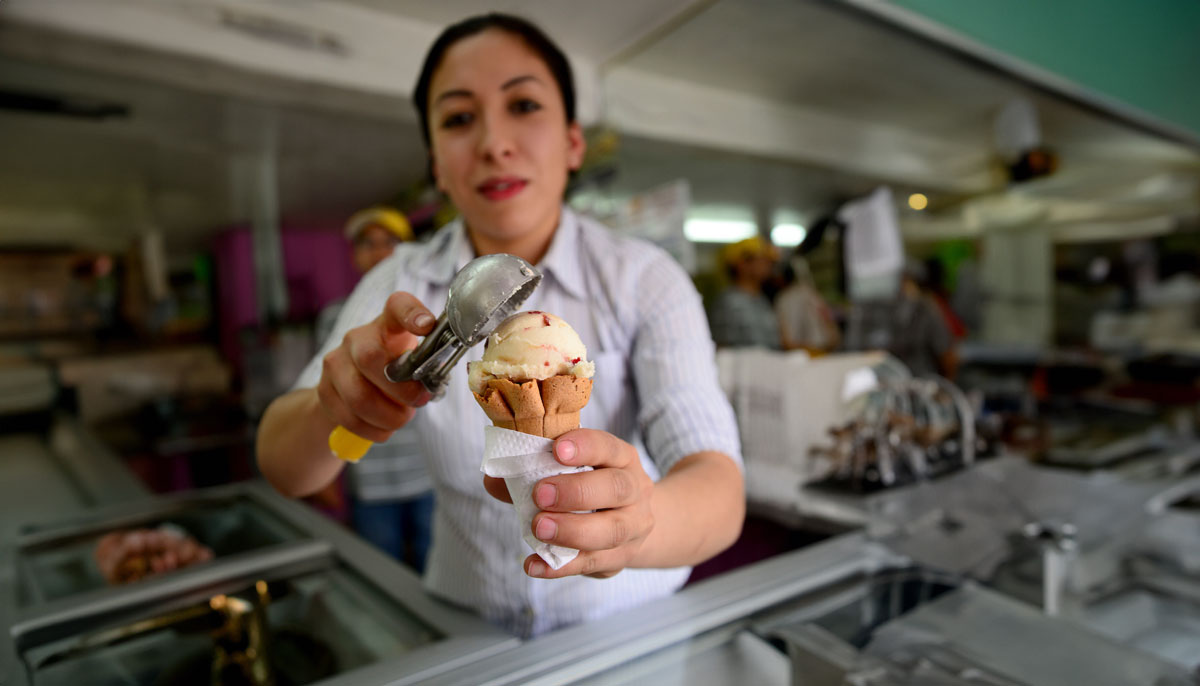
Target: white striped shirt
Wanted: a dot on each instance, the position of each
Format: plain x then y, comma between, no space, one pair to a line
655,387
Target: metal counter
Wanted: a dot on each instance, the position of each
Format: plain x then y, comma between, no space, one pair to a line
844,611
332,596
72,472
897,603
679,623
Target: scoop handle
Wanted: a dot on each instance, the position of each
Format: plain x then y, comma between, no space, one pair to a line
348,446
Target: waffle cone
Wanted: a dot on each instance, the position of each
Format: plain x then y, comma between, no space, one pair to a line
547,408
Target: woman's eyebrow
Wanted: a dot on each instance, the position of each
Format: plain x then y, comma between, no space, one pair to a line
456,93
464,93
517,80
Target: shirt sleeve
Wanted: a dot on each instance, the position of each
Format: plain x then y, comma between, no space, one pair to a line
682,409
363,305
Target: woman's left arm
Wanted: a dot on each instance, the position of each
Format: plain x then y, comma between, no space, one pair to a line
698,510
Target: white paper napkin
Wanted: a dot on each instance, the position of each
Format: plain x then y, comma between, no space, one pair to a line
523,460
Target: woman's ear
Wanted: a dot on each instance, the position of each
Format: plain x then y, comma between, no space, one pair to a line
576,146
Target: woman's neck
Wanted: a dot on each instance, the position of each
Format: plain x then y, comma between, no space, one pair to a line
531,247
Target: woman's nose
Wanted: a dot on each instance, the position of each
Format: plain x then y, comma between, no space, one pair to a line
496,141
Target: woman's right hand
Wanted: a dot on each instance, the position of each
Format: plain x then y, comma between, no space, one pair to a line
353,390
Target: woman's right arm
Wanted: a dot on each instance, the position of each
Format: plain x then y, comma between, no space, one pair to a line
293,436
293,444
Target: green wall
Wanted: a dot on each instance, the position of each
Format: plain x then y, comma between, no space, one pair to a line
1145,53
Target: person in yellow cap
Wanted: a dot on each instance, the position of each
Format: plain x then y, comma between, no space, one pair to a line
375,233
742,316
392,493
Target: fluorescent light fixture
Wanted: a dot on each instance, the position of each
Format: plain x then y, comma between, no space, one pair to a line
718,230
788,235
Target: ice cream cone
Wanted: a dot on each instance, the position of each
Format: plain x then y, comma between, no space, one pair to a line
548,408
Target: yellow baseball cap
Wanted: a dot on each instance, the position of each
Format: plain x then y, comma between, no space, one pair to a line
389,218
755,246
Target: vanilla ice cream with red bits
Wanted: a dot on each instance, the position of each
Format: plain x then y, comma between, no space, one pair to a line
530,346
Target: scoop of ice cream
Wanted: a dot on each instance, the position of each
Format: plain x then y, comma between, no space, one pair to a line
528,346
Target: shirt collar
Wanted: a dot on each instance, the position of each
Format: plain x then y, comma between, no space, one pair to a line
451,250
562,259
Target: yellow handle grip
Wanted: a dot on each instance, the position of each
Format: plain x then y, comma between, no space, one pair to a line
349,447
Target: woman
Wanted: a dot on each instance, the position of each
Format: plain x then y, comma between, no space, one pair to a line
497,108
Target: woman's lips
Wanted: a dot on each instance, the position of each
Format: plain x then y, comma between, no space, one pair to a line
502,189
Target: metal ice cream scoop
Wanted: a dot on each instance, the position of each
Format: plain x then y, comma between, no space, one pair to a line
483,294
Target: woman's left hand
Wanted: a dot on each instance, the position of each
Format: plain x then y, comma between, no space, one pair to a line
619,491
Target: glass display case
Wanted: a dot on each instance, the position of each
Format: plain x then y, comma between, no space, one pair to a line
60,561
301,629
288,598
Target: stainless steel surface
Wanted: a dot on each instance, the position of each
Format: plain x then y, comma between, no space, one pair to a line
818,657
984,631
484,293
1156,623
1131,593
1057,545
371,612
845,611
28,460
587,650
729,655
68,616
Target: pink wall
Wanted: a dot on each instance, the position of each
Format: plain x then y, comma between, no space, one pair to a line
317,266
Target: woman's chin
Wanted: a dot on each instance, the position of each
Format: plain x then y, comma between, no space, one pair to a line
506,224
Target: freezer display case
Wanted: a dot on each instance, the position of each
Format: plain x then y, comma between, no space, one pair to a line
843,612
288,598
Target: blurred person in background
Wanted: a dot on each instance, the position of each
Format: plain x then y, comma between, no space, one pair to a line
805,320
909,326
391,493
934,286
374,232
742,316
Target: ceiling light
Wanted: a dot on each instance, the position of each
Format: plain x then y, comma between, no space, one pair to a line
788,235
718,230
918,201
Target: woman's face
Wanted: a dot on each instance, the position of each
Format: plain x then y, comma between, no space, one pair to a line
500,141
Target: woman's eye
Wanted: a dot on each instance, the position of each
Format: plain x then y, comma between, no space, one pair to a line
525,105
456,119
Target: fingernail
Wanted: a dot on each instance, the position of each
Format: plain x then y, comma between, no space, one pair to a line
423,320
537,568
565,450
546,529
545,495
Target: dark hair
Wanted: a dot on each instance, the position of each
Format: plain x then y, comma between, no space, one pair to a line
554,58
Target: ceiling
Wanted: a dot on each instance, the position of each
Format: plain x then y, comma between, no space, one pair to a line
176,162
594,31
179,162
